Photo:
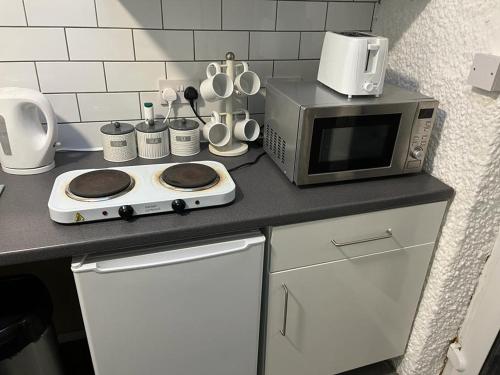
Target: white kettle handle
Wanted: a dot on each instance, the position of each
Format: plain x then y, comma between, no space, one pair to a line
44,105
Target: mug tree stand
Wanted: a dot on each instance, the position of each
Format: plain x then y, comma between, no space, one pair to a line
234,146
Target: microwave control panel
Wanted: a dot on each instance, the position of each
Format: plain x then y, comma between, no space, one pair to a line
420,135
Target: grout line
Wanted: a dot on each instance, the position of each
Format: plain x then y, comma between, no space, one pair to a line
157,29
373,15
194,47
67,46
133,44
248,52
326,15
37,77
140,105
276,17
25,13
78,106
105,78
144,61
96,18
300,41
161,13
221,14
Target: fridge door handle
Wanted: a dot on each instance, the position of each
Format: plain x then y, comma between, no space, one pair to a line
166,257
285,310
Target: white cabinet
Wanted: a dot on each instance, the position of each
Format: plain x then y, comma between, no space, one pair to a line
329,317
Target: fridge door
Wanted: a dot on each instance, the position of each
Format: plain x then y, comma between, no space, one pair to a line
172,310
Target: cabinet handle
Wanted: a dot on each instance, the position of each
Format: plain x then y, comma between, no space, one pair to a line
388,234
285,310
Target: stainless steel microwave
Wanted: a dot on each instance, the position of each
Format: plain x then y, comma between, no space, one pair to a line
316,135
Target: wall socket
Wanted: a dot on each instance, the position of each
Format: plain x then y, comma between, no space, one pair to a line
178,86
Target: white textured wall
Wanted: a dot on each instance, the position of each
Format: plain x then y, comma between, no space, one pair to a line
433,42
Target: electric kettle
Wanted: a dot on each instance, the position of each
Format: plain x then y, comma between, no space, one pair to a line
26,147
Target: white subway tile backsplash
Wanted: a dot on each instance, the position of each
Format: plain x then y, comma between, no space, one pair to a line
191,14
100,44
28,44
80,136
163,45
213,45
99,60
206,108
109,106
187,69
60,12
71,76
12,13
349,16
129,13
264,70
311,44
305,69
19,74
65,106
133,76
249,15
274,45
301,15
257,103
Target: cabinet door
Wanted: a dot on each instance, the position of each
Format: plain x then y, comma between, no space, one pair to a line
345,314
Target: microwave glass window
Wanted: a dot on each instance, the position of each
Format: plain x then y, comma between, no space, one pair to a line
354,142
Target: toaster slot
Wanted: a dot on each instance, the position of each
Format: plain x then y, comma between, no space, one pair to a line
371,58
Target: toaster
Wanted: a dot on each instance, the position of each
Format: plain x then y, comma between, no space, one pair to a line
353,63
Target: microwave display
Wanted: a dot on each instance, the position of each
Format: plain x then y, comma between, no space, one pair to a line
353,142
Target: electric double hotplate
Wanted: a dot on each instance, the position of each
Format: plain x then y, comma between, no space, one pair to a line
126,192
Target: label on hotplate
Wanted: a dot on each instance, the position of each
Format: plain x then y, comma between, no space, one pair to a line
152,207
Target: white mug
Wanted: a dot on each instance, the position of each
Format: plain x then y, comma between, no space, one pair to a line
247,82
247,129
216,132
217,86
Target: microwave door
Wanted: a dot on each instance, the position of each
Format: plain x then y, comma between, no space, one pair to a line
360,145
351,143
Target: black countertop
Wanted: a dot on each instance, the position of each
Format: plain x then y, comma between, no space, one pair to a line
264,197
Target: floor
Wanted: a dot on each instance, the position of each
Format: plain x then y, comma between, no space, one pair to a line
76,359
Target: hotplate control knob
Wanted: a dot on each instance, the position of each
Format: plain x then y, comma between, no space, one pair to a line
126,212
178,205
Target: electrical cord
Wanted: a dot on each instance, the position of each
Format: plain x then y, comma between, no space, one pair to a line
168,112
191,103
191,94
248,163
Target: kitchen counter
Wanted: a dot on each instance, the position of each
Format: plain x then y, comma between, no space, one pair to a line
264,197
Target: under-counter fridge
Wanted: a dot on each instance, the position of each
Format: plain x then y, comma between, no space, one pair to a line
174,310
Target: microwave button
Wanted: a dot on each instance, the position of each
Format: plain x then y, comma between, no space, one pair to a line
412,164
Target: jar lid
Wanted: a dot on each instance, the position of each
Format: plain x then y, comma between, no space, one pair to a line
184,124
153,127
117,128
